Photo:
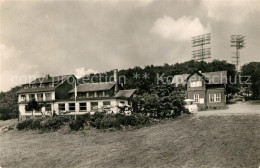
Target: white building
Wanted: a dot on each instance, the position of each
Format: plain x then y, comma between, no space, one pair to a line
57,94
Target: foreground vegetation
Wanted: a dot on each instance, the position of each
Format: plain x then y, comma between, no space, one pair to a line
189,141
98,120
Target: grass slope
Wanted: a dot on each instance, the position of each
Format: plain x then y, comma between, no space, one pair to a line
206,141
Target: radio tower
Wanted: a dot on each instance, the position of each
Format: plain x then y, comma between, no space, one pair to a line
202,53
237,41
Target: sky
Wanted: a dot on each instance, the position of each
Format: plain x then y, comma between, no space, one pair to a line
89,36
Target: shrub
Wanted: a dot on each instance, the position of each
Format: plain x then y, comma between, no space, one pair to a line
131,120
36,123
25,124
109,121
79,122
97,123
98,120
143,120
54,123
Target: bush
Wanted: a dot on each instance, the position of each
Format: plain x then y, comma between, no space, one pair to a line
97,123
77,124
36,123
25,124
54,123
7,115
98,120
109,121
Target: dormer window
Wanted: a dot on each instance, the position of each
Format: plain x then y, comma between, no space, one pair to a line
196,84
51,84
34,86
91,94
26,87
42,85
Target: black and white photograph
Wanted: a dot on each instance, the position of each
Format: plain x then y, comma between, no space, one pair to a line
129,83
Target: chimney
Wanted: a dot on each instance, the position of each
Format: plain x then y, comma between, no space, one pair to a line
116,80
47,76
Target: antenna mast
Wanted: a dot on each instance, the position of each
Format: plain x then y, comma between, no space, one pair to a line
200,41
237,41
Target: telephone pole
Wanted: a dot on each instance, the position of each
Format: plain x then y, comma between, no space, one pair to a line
200,41
237,41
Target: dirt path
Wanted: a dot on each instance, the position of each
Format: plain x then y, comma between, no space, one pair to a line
239,108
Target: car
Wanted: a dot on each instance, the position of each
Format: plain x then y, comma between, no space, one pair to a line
191,105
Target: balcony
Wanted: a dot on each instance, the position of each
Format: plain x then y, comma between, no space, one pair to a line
48,98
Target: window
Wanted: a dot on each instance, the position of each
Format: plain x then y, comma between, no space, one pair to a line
48,96
48,107
211,98
51,84
195,84
31,96
196,98
42,85
91,94
106,93
106,105
71,106
40,97
218,97
100,94
23,98
62,107
214,98
81,95
95,94
26,87
34,86
83,106
94,105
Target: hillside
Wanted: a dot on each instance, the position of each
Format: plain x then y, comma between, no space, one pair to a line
191,141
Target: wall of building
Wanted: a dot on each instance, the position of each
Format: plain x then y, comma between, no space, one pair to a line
113,103
202,96
215,91
61,91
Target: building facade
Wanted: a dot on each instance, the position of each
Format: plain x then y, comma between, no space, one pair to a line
208,90
57,96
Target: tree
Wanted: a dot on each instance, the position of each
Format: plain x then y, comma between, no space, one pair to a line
8,104
161,101
33,105
252,70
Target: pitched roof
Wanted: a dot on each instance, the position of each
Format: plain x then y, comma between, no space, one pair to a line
50,79
38,89
55,79
89,87
219,77
125,93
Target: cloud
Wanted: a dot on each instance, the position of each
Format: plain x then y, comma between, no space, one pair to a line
233,11
14,71
80,72
179,30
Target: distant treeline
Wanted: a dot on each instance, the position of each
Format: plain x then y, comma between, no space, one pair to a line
135,79
143,79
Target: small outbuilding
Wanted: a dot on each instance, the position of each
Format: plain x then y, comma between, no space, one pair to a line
206,89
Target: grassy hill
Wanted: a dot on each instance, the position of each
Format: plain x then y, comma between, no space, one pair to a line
190,141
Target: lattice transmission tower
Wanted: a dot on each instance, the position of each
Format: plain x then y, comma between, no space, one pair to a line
237,41
201,53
